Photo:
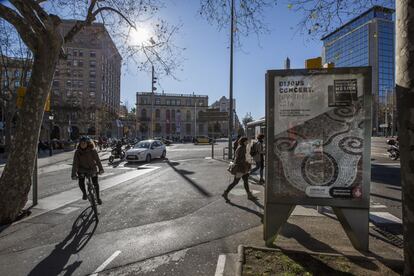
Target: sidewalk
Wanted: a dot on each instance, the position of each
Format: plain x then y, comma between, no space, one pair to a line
311,232
58,156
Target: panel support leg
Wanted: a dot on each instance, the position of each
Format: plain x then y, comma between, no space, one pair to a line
356,225
275,215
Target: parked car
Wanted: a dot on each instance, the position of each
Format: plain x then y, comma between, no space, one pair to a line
203,140
146,151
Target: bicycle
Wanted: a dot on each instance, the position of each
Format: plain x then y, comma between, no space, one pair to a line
92,197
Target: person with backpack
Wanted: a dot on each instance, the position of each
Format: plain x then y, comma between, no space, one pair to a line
257,152
240,170
236,143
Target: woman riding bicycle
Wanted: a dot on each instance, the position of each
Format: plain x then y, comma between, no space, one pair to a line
86,161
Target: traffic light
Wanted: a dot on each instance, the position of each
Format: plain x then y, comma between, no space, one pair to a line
154,81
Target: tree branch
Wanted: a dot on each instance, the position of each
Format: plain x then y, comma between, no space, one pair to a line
29,15
21,25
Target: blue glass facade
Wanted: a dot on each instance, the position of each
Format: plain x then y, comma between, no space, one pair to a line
386,78
368,40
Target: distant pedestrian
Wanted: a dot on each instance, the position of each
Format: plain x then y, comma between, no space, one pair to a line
240,170
257,153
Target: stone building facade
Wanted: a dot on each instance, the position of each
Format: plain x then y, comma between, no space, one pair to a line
85,96
223,105
174,116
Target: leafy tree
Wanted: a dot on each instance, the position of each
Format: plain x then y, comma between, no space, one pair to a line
37,23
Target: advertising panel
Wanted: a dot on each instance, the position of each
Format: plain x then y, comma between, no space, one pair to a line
320,121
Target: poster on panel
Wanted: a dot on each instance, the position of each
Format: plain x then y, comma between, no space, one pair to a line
319,129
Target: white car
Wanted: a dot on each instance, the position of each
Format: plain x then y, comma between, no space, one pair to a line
146,151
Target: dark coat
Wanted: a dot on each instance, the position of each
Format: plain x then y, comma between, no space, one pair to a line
86,161
240,163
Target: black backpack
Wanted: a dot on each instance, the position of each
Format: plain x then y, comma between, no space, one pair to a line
253,149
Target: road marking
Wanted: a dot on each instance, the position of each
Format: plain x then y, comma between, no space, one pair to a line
67,210
221,263
383,218
377,205
106,263
387,164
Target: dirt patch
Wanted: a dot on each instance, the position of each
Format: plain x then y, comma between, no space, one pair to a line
269,263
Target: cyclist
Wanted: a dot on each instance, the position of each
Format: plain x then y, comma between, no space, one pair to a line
86,161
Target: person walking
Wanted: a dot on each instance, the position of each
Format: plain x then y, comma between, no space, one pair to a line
240,170
257,152
86,161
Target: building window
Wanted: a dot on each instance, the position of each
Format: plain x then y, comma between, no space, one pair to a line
80,53
178,102
167,115
173,115
92,63
55,83
157,114
168,102
157,101
92,74
92,84
75,63
16,83
16,73
143,113
80,63
188,116
92,94
92,54
200,129
188,129
68,83
188,101
69,63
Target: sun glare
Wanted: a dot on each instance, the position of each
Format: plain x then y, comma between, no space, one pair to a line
139,36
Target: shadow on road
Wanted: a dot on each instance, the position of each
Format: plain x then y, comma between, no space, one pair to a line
386,197
184,174
82,231
247,209
386,175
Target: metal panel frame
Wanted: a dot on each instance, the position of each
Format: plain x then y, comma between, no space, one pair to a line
356,229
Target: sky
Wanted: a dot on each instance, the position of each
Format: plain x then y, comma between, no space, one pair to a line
205,69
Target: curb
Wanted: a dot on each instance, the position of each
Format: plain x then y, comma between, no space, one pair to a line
241,256
240,260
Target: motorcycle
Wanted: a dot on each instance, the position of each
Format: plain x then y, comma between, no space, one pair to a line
116,153
393,150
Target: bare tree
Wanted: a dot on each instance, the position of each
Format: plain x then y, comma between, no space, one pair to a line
37,23
322,16
405,103
248,16
15,67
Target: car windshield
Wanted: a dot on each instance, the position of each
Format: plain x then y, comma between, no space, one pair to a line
142,145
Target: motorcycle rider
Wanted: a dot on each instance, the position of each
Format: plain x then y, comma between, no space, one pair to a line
86,161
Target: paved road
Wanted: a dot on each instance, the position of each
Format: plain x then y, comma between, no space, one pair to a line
165,218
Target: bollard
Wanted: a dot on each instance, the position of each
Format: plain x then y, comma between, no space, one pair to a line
212,150
34,191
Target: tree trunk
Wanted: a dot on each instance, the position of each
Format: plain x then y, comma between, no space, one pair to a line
16,179
405,104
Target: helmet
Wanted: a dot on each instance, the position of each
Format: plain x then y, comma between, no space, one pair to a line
84,139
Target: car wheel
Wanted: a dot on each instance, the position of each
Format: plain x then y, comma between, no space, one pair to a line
164,153
148,158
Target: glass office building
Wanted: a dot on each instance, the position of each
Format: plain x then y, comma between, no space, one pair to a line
368,40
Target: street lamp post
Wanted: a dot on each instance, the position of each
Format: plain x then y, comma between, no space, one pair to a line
50,133
231,83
